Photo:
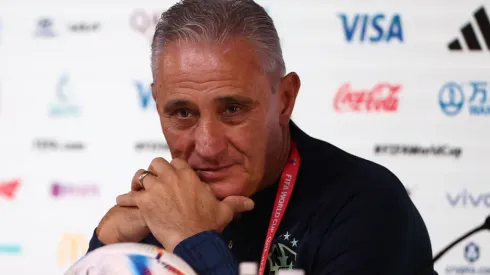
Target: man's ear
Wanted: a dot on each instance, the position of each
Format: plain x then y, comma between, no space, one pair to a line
288,89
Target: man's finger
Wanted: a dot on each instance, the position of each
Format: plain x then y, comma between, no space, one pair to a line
161,166
166,172
238,204
147,182
135,183
129,199
208,187
180,164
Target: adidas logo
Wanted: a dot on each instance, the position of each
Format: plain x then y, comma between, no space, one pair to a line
470,37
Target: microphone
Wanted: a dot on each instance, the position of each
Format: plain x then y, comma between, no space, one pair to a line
426,268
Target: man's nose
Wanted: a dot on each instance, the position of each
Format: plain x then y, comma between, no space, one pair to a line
210,140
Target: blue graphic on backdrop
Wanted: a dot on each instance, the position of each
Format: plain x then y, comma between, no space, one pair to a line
144,94
44,28
472,252
65,103
10,249
372,28
454,97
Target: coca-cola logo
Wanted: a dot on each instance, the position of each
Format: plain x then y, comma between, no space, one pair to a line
144,22
381,98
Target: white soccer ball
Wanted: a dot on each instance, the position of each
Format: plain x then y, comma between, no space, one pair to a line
130,259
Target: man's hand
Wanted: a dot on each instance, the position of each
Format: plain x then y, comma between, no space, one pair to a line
123,224
177,205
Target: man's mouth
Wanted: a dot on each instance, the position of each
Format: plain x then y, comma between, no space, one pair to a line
210,173
212,168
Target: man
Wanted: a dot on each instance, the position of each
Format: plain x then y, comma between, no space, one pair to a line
245,183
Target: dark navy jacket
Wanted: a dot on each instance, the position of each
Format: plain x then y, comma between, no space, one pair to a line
347,215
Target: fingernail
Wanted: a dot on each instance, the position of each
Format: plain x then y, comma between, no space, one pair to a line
249,204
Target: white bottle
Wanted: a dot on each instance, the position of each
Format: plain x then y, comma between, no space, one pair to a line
248,268
291,272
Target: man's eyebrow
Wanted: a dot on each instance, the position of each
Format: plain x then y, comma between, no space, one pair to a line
236,99
175,104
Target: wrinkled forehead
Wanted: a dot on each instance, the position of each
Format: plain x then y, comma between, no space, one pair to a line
202,62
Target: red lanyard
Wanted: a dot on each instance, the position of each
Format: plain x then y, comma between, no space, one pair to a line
284,191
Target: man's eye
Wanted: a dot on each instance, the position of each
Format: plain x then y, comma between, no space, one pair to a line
232,110
183,113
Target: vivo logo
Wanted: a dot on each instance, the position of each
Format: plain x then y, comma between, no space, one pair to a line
465,199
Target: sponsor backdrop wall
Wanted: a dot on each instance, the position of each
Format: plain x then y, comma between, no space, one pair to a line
403,83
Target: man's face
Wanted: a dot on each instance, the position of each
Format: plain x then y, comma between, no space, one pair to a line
218,113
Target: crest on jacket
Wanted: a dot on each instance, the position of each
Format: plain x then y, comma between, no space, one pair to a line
282,254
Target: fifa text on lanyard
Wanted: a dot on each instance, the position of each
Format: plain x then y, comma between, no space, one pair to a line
284,191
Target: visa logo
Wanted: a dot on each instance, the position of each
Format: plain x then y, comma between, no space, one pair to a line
372,28
465,198
144,94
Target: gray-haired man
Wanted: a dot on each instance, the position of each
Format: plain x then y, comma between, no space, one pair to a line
245,183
